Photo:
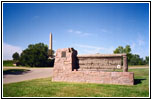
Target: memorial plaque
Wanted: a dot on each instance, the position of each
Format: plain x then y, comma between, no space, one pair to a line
100,63
63,54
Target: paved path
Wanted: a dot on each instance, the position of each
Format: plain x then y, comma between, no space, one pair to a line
138,67
33,73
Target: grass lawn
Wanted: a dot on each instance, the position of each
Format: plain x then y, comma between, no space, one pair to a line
46,88
8,63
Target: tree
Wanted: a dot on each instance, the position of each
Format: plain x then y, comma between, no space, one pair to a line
15,56
35,55
133,59
120,49
126,50
147,60
136,60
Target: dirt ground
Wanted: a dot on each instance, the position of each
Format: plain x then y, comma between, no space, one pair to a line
35,73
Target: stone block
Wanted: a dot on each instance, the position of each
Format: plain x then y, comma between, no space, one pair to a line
69,67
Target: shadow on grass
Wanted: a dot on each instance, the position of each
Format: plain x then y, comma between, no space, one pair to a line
15,71
138,81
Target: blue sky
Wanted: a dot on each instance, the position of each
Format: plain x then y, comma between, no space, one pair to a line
88,27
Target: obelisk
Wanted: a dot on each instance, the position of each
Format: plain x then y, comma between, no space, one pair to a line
50,44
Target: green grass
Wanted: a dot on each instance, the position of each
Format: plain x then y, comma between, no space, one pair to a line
8,63
138,65
46,88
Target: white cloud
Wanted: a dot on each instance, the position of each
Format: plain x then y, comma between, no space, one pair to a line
133,45
86,34
8,51
70,30
138,46
104,30
89,46
80,33
89,49
140,42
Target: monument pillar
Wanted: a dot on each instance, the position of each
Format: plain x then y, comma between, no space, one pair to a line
125,64
50,44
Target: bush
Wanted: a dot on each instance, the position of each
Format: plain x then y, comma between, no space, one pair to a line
35,56
50,62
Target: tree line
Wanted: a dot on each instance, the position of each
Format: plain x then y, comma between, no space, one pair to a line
36,55
133,59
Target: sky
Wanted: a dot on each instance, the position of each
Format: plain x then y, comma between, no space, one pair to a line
87,27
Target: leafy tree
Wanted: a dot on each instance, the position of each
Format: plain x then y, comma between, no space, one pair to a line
126,50
120,49
15,56
136,60
147,60
50,62
35,55
133,59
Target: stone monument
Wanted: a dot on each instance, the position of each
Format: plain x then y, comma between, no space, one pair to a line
70,67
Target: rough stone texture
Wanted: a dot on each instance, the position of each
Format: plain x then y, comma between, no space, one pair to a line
66,68
125,64
121,78
100,62
65,64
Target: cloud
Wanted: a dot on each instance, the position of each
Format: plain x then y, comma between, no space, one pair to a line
138,46
89,46
8,51
36,17
140,40
89,49
86,34
78,32
70,30
104,30
133,45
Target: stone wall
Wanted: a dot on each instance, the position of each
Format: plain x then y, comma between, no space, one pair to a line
99,61
65,60
121,78
67,68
